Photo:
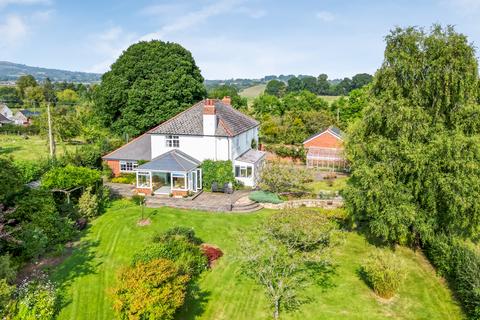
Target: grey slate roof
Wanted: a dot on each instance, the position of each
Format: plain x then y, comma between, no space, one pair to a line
251,156
29,114
230,122
173,160
4,119
137,149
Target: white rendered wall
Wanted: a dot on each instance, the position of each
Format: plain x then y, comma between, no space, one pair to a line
243,142
199,147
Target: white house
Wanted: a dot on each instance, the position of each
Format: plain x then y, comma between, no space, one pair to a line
173,151
5,111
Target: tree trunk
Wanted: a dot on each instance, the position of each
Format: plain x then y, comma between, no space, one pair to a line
276,311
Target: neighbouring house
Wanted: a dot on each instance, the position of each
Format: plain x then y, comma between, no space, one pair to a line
24,117
167,159
4,120
5,111
325,150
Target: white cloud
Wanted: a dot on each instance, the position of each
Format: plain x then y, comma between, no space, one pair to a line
193,18
43,16
13,31
325,16
109,45
5,3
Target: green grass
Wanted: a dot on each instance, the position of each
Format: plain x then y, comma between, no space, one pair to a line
33,148
114,237
330,99
338,185
252,92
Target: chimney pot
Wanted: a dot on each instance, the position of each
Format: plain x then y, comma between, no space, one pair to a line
209,107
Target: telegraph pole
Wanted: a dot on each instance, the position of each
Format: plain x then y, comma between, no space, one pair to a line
50,133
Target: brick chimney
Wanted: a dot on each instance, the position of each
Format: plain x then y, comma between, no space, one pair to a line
227,100
209,117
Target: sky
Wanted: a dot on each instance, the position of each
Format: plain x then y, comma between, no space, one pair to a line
228,38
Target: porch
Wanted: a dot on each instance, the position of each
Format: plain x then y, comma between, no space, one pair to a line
172,173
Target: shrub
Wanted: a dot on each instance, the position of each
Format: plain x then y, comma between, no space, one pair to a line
125,178
186,255
31,170
36,299
70,177
302,229
211,252
264,197
278,178
7,270
186,232
6,292
383,272
89,156
220,172
88,204
461,266
288,151
150,290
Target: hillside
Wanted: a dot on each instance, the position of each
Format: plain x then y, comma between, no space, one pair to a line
11,71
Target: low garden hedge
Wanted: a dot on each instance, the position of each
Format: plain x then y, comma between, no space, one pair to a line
264,197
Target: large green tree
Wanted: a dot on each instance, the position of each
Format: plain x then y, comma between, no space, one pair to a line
276,88
225,90
415,155
148,84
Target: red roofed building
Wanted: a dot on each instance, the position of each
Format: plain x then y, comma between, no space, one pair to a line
325,150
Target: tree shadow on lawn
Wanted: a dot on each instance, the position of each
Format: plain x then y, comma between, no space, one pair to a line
8,150
195,303
80,263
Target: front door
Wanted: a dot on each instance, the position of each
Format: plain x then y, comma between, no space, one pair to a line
194,181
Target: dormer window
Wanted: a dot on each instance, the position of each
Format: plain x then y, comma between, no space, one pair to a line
172,141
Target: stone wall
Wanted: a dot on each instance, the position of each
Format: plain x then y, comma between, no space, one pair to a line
309,203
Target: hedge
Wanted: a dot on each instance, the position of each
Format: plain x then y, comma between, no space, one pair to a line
264,197
460,265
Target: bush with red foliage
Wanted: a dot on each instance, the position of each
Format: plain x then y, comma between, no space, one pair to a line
211,252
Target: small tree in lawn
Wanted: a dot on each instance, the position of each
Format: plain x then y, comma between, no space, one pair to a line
280,178
289,253
140,200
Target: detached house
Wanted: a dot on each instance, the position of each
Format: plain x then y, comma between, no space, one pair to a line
24,117
325,149
4,120
5,111
167,158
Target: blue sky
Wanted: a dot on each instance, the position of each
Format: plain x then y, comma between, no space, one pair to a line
228,38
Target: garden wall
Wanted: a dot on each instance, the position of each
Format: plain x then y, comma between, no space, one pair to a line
309,203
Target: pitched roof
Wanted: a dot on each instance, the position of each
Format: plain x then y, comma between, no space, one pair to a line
173,160
3,107
137,149
230,122
28,113
251,156
332,129
4,119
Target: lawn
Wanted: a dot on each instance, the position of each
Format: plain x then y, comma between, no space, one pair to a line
114,237
319,185
35,147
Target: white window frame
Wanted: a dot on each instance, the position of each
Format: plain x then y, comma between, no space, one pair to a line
148,184
243,171
172,141
128,166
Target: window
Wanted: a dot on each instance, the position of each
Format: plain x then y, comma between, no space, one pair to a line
172,141
179,181
143,179
243,171
127,166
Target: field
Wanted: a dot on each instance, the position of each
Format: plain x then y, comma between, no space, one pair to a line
33,148
252,92
113,238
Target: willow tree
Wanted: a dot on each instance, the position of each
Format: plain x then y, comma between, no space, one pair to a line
415,154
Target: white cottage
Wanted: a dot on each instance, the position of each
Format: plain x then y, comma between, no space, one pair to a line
167,159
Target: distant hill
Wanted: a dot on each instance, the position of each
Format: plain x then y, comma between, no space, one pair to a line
12,71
